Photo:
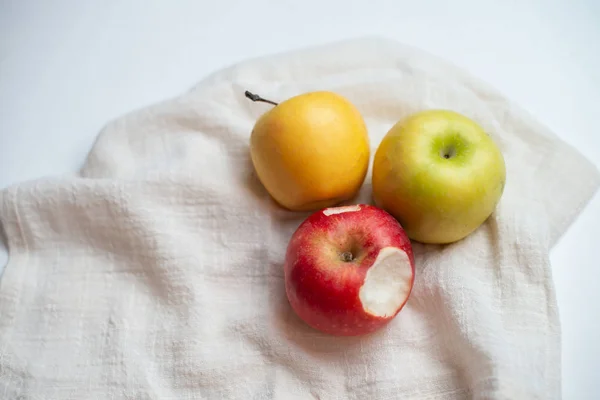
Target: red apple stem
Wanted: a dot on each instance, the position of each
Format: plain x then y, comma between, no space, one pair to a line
255,97
347,256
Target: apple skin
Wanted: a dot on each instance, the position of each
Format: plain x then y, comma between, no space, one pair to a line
324,289
439,174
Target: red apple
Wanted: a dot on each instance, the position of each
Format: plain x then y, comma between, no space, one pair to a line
349,270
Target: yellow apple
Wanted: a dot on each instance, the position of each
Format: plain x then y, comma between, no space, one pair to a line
310,151
439,174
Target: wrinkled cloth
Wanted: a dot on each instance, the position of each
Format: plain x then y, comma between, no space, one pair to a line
155,272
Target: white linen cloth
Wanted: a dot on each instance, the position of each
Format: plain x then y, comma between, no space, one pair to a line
155,272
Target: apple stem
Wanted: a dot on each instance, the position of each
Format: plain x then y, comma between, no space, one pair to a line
255,97
347,256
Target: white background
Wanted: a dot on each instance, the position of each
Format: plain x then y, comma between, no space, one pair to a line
68,67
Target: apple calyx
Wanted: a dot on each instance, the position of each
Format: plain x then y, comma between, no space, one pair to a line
255,97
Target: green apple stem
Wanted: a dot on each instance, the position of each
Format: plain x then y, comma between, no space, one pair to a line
255,97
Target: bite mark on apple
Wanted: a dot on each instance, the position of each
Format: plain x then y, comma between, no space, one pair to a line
387,283
338,210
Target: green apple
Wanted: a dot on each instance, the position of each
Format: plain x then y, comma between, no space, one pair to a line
439,174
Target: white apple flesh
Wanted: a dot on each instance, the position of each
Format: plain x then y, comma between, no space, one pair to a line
349,270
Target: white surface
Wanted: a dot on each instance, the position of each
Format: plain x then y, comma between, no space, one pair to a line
104,59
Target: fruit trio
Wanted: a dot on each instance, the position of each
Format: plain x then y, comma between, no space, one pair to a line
437,176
